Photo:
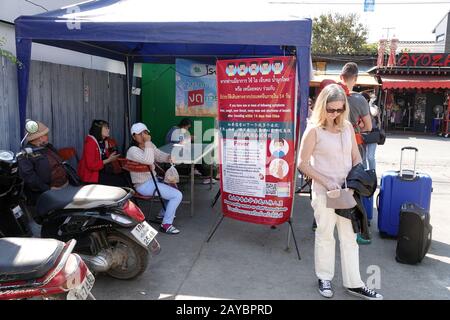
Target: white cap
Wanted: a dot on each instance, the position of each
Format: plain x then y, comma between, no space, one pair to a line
138,128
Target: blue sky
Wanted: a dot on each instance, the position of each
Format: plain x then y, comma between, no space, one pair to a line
413,20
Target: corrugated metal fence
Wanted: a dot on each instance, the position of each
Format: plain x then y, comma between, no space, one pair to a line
9,114
66,99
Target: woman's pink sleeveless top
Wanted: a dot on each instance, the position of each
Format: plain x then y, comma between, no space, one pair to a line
332,155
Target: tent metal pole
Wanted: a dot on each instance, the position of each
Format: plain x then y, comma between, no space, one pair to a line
129,72
23,48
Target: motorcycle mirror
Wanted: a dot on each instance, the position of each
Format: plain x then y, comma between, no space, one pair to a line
31,126
6,155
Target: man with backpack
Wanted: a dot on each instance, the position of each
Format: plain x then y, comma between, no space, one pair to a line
359,115
359,107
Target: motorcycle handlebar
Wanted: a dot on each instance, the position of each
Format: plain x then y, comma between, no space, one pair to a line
27,151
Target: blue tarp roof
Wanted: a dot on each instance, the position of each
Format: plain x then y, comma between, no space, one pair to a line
160,31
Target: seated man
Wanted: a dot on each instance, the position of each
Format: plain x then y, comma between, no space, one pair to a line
180,134
41,170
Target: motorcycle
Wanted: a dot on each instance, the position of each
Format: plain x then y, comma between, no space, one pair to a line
111,232
43,269
12,199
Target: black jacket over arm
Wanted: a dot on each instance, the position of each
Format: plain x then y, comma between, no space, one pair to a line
364,183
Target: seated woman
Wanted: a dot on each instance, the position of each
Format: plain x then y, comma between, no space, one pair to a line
98,163
144,151
180,134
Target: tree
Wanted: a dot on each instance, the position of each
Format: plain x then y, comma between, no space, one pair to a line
340,34
8,55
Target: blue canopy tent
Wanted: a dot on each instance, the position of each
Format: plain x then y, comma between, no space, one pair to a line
158,32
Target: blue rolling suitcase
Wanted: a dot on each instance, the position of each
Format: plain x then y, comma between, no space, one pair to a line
398,187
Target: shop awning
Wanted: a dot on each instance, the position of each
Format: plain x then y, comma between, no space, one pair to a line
364,80
415,82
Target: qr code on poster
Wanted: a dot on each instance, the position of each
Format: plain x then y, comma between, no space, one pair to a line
271,189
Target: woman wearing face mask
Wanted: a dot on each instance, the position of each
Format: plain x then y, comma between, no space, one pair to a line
327,154
145,152
98,163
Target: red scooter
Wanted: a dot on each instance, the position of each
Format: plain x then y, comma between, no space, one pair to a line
33,268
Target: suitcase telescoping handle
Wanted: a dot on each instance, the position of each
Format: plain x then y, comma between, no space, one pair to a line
410,148
401,163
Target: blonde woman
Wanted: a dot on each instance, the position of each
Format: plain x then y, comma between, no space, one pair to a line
328,152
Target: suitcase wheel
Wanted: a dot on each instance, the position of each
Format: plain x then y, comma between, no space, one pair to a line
405,262
384,235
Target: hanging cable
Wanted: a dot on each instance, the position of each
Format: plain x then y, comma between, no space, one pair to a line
37,5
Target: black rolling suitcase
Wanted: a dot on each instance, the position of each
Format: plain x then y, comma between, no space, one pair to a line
414,237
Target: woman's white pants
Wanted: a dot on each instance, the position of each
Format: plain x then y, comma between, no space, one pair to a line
324,250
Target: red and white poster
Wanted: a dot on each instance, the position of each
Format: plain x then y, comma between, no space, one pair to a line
256,110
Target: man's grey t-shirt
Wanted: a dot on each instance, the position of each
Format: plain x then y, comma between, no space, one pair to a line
359,107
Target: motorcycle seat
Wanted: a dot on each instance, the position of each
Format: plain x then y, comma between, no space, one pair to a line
55,199
25,259
85,197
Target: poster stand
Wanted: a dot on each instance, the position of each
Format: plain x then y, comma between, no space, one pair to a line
215,227
288,240
217,196
297,140
259,100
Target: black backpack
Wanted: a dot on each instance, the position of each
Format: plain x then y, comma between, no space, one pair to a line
414,236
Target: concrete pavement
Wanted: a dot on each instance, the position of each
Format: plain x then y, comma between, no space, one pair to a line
247,261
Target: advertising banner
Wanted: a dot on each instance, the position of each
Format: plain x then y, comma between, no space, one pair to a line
256,112
196,94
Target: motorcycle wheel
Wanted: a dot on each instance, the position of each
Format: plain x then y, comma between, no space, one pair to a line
127,269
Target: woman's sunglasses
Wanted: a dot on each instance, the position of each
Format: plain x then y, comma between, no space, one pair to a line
330,110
